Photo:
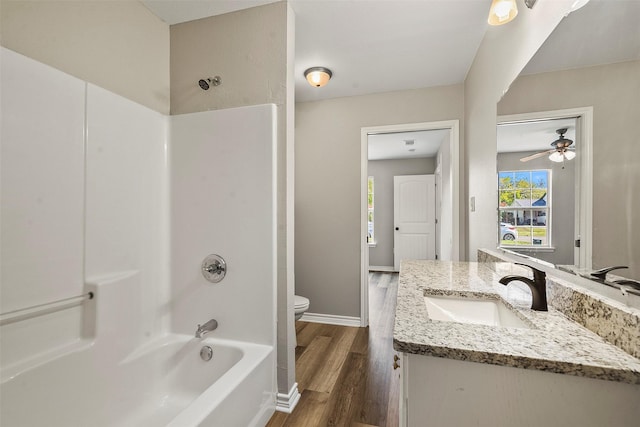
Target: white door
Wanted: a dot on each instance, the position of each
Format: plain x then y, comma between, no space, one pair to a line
414,217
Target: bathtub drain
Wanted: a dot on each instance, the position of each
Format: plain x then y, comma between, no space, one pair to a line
206,353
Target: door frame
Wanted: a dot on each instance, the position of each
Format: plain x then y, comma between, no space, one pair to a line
454,168
584,177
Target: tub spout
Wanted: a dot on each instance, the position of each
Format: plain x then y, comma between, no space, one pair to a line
206,328
538,287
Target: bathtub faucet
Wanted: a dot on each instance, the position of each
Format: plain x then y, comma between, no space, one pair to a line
207,327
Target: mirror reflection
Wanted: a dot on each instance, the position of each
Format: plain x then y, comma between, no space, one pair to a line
536,193
591,60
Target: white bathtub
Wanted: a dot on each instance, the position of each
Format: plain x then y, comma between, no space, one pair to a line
164,383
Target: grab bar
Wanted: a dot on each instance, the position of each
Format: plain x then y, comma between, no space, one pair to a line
40,309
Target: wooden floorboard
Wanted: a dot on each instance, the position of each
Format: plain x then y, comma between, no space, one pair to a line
345,375
333,359
309,410
347,396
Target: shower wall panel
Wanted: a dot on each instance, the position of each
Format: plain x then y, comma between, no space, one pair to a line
126,200
42,189
84,185
222,167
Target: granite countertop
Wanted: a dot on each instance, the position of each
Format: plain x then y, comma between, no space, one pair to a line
553,343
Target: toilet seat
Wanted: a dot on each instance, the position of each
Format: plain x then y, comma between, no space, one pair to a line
300,303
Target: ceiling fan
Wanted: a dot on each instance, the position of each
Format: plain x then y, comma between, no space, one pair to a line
560,151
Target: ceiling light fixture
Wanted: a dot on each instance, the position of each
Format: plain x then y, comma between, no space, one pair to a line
318,76
502,11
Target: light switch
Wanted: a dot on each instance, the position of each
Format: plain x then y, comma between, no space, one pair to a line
473,204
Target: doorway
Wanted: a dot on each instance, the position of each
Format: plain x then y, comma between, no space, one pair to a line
449,198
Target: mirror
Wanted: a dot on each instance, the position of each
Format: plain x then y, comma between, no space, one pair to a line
590,61
536,196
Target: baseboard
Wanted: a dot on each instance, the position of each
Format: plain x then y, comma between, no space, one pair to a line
331,319
287,402
381,268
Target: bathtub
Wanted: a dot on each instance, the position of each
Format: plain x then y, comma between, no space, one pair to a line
163,383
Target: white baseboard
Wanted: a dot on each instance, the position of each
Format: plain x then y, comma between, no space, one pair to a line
380,268
331,319
287,402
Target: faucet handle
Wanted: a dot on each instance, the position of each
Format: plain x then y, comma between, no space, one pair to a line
602,273
538,275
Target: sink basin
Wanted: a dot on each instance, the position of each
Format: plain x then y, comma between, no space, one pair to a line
472,311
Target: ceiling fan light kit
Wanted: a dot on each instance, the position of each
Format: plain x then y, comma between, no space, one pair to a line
560,151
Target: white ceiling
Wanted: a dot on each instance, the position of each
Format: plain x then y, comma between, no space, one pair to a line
394,146
533,136
376,46
386,45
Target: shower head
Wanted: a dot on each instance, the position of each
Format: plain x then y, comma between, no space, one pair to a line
205,84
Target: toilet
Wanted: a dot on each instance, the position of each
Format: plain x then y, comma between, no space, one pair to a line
300,305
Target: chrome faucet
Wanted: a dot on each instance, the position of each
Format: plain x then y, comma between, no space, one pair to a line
538,287
206,328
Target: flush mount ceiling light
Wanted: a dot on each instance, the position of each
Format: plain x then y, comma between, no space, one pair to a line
502,11
318,76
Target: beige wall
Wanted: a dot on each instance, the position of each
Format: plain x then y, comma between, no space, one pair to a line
613,91
247,49
327,194
503,53
383,172
118,45
252,51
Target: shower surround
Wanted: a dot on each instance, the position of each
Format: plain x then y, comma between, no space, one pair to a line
101,194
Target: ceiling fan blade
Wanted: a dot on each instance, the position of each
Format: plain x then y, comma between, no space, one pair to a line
535,156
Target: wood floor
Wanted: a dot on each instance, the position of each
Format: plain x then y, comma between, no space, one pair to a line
345,374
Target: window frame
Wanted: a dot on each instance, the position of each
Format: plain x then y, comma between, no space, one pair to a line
516,210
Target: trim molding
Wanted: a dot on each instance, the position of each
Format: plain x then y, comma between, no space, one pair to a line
287,402
455,192
331,319
381,268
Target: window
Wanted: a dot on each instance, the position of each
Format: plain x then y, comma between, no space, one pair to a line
524,208
370,229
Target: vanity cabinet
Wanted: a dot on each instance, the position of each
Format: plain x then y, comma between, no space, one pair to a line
440,392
